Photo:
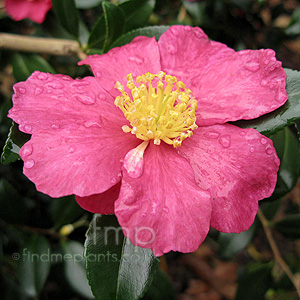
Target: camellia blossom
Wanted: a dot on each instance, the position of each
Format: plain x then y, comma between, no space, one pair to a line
35,10
147,138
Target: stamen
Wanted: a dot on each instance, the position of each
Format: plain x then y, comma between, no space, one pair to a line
158,107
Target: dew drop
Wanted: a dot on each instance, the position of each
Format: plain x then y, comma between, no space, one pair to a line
225,141
269,151
272,68
42,76
166,209
171,50
89,124
102,97
136,59
264,82
55,85
242,133
113,181
25,128
280,96
263,141
212,135
21,90
28,164
252,149
27,150
38,90
273,59
54,126
71,149
270,52
252,66
266,61
86,100
271,86
98,74
198,33
174,31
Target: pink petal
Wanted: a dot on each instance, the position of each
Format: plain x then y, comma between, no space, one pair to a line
51,102
138,57
237,166
100,203
76,160
35,10
228,85
164,209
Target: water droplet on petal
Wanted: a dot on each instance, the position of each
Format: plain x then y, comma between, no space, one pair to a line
225,140
55,85
89,124
86,100
71,149
198,32
252,66
21,90
136,59
212,134
271,86
54,126
264,82
166,209
270,52
242,133
174,31
25,128
38,90
280,96
42,76
272,68
113,181
273,59
263,141
98,74
252,149
27,150
102,97
266,61
269,151
171,50
28,164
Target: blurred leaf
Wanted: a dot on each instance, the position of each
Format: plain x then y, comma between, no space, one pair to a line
34,265
284,116
161,288
65,211
14,207
108,27
74,268
289,226
137,13
232,243
83,33
10,290
255,282
151,31
85,4
196,10
16,139
287,148
25,64
131,269
294,26
68,15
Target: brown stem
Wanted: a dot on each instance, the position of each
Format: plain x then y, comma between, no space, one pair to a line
276,252
40,45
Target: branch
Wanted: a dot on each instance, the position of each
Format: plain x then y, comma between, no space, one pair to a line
276,252
40,45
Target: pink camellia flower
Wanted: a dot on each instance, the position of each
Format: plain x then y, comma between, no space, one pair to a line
147,138
35,10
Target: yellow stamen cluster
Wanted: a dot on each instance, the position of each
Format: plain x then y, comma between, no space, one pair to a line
159,108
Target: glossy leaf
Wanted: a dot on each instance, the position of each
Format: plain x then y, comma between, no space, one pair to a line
65,211
131,269
108,27
74,268
284,116
151,31
137,13
255,282
287,148
34,265
232,243
14,207
68,15
16,139
25,64
85,4
289,226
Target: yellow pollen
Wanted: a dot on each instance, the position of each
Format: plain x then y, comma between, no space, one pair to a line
159,108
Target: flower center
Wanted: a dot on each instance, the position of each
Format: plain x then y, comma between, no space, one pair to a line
159,108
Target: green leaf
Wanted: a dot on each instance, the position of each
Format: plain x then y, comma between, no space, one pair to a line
232,243
85,4
74,268
14,207
137,13
25,64
151,31
131,269
16,139
34,265
289,226
294,26
65,211
9,290
68,15
286,145
161,288
255,282
108,27
284,116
